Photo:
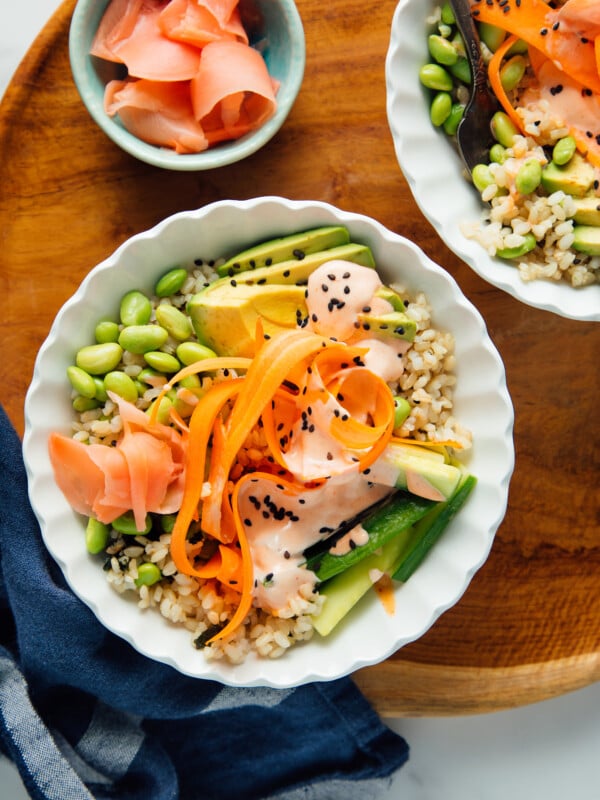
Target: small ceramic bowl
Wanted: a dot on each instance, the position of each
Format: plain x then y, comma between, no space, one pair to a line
481,403
284,54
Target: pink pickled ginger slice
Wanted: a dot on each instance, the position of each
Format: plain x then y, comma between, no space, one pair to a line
156,112
130,34
228,68
191,22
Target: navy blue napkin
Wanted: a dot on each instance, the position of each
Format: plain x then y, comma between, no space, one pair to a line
83,715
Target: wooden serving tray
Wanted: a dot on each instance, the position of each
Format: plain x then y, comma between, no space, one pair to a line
528,627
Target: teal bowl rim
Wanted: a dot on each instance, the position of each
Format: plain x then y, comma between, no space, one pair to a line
87,81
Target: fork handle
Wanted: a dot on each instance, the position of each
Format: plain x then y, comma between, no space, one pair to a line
468,30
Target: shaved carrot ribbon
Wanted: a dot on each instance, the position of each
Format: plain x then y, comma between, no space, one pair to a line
247,571
496,81
200,430
533,22
269,369
365,396
205,365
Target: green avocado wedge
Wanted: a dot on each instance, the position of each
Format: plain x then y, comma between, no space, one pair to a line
293,247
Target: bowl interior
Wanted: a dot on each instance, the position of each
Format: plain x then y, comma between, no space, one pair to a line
435,176
482,404
280,35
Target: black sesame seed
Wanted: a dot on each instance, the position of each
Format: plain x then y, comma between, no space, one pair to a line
248,522
286,273
324,287
268,261
299,254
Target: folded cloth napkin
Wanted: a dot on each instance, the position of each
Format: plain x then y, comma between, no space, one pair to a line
83,715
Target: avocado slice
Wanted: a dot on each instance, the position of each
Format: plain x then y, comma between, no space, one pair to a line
417,470
298,271
588,210
394,299
286,248
395,324
587,239
575,178
225,319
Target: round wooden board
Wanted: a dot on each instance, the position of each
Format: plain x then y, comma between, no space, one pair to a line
528,626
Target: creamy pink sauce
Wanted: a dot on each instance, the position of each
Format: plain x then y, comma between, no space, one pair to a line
280,525
356,537
338,291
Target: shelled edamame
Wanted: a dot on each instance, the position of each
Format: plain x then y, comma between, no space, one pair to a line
149,341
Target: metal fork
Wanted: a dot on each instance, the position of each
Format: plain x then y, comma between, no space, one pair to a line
473,134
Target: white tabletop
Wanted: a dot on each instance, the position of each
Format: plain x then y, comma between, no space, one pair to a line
546,751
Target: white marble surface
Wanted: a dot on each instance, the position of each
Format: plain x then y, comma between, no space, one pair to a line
545,751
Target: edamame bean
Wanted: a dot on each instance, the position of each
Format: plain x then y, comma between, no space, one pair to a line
497,153
459,45
520,47
491,35
125,524
167,522
529,176
401,412
106,331
151,377
135,308
97,359
81,403
174,321
518,251
190,352
142,338
163,362
148,574
481,176
171,282
512,73
96,536
164,410
120,383
81,381
190,382
564,150
448,17
100,389
453,120
503,129
462,71
440,109
442,50
434,76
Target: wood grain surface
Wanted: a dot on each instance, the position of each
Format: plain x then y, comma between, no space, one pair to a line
528,627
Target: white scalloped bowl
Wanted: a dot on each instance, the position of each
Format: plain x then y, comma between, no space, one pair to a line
433,171
482,404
